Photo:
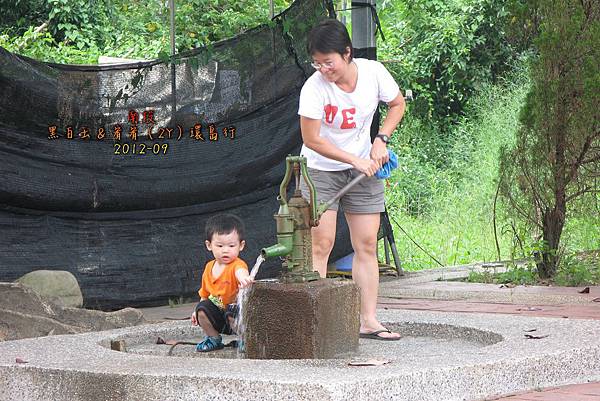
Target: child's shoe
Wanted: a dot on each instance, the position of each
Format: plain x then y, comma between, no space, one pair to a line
210,344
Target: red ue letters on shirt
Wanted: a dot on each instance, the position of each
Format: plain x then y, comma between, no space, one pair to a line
347,116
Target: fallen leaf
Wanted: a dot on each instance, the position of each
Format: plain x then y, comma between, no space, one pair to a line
596,300
19,360
530,330
509,285
368,362
586,290
162,341
529,309
532,337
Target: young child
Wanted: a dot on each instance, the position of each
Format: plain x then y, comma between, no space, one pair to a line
221,279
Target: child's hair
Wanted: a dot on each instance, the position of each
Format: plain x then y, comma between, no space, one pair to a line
224,223
329,36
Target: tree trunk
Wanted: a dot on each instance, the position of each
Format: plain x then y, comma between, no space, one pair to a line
554,220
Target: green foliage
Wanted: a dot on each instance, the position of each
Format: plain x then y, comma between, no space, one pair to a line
75,21
556,158
79,31
449,211
37,43
419,176
447,208
519,275
485,277
18,16
446,49
575,272
524,23
42,46
514,274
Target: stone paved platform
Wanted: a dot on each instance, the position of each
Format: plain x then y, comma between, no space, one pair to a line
575,392
470,298
571,311
430,285
498,360
433,294
442,367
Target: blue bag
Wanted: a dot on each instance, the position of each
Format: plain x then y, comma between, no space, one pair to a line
386,170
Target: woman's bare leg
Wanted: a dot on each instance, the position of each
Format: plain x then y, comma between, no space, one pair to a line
365,269
323,238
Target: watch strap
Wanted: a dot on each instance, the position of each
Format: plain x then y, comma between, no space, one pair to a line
383,137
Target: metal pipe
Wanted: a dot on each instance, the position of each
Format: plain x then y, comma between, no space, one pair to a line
342,192
172,18
173,85
282,248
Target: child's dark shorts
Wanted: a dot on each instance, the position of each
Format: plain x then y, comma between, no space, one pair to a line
217,316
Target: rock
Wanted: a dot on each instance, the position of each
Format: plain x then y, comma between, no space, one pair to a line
95,320
25,314
58,285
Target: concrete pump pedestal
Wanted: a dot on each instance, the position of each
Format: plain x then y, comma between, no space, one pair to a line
313,320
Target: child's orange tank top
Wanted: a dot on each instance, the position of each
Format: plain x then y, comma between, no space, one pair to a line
222,290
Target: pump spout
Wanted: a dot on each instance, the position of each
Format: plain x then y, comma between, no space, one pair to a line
282,248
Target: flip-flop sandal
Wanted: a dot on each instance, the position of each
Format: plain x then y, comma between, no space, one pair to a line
209,344
374,335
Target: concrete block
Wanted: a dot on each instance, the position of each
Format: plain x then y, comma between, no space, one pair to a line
314,320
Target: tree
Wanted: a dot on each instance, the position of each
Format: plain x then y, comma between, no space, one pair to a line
556,158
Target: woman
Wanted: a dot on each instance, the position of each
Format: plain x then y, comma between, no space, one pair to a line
337,104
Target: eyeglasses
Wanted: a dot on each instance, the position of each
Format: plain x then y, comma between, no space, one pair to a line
328,65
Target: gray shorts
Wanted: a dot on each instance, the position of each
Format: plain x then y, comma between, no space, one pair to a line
365,197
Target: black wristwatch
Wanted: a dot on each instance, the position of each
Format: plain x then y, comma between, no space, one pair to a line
384,138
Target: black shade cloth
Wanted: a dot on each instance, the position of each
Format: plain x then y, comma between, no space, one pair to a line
130,226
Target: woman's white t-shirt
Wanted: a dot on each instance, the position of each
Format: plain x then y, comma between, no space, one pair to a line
345,117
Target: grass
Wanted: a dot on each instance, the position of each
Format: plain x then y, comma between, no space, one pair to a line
515,274
447,208
456,227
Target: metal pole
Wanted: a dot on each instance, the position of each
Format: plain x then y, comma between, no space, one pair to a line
172,16
173,50
342,192
271,9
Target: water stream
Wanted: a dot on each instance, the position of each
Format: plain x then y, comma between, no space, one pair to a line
242,298
254,270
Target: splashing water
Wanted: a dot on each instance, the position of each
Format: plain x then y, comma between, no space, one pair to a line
242,299
240,321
